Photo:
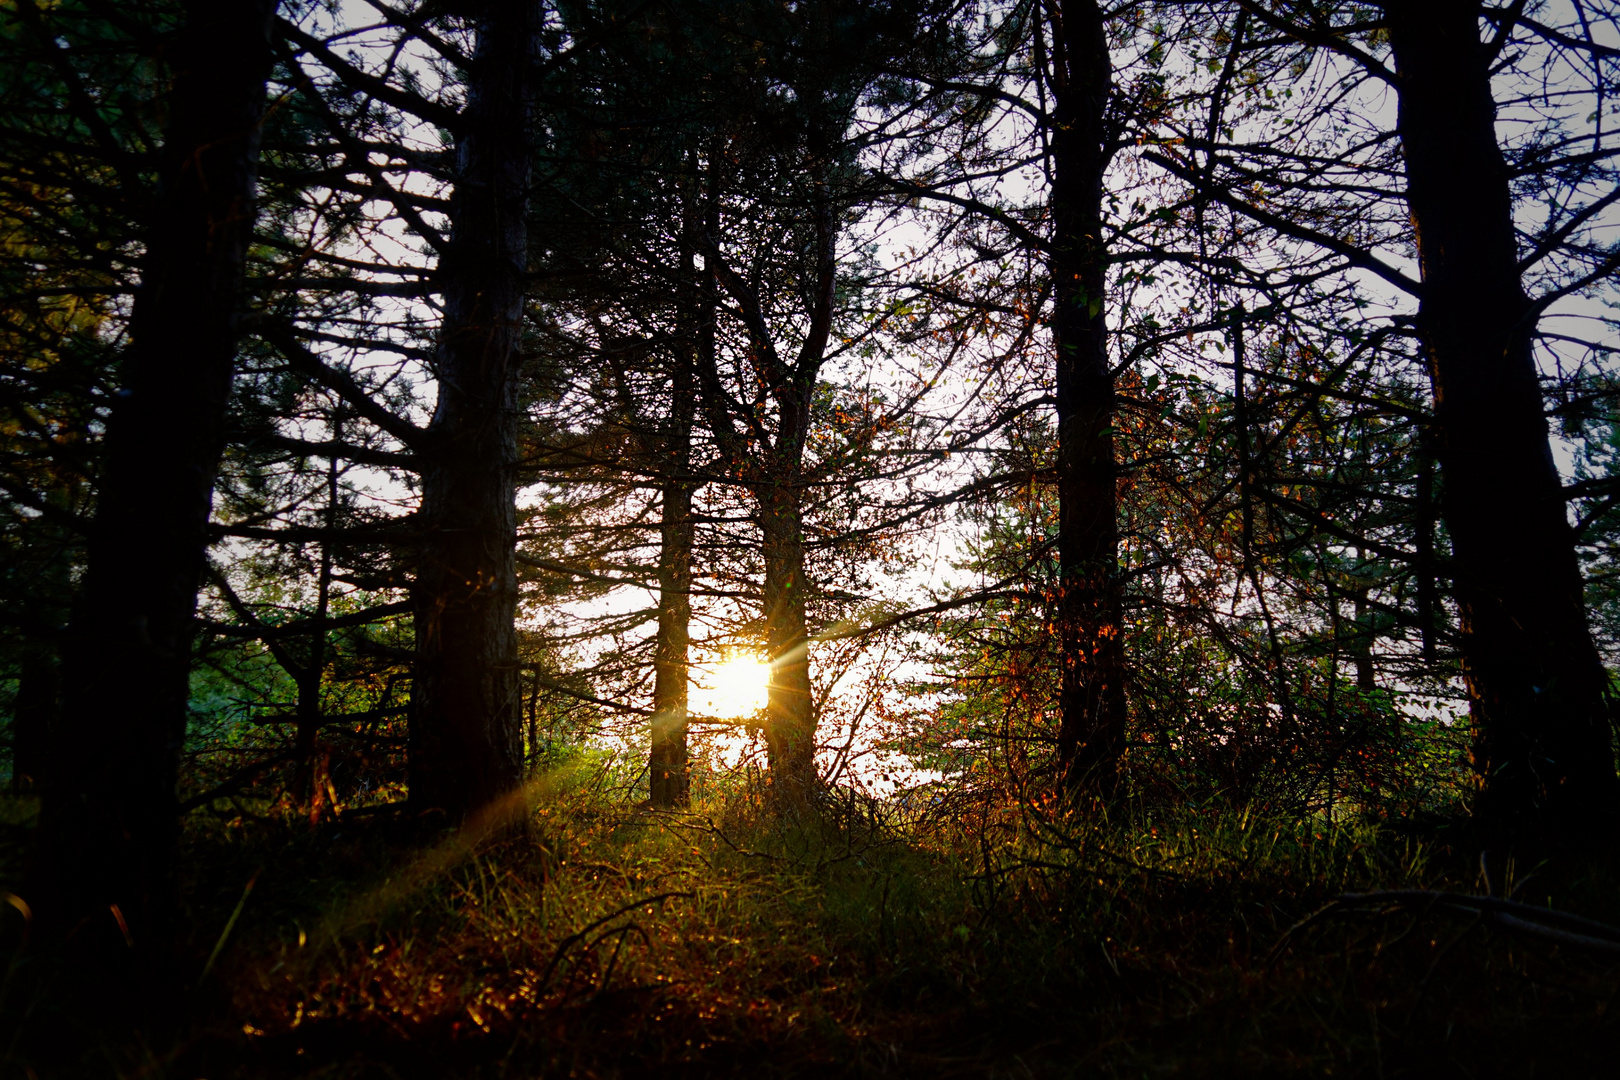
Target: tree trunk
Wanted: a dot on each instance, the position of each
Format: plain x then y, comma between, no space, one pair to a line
790,728
1362,643
39,696
1537,687
466,726
110,820
773,472
311,778
49,553
670,783
1091,740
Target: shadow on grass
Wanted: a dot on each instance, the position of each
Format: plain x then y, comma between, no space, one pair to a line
583,937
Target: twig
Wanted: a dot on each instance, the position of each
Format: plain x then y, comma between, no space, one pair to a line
230,924
579,935
716,830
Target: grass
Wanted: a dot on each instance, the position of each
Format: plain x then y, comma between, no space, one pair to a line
602,940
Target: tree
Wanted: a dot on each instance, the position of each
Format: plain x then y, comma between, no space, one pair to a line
797,305
465,725
625,317
703,338
69,252
1046,69
304,595
109,820
1537,689
1091,617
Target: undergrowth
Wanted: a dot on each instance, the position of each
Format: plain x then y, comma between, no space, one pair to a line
598,939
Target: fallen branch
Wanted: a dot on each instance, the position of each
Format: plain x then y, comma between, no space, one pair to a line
1545,924
237,781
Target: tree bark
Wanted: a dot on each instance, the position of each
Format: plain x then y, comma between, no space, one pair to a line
790,719
1537,688
790,728
110,821
466,725
1091,739
1362,642
39,696
49,551
773,471
311,776
669,781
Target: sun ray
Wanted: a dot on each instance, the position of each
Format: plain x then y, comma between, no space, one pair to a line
736,687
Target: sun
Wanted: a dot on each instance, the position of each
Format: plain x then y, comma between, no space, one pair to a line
736,687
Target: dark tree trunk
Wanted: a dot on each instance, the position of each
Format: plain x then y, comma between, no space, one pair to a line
790,718
670,782
790,729
774,474
49,552
1091,740
466,726
39,697
311,784
1361,645
667,765
1537,687
110,814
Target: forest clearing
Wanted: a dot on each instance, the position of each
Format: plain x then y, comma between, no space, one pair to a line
861,537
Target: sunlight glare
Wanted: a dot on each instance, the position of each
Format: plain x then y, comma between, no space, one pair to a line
738,686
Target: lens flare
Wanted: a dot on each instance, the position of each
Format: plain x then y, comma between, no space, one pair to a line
736,687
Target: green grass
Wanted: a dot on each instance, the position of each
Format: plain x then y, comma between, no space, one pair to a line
606,941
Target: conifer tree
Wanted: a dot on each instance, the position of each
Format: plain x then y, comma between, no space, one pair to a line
109,821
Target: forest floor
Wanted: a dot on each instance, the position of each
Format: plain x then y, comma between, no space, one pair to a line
606,940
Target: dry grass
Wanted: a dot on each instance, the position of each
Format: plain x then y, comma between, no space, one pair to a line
606,941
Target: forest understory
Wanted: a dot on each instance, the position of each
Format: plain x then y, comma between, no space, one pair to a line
710,538
596,938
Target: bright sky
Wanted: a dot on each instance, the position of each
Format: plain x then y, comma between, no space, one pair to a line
733,686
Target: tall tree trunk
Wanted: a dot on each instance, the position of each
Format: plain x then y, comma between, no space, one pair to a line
50,551
773,472
790,729
670,783
1537,687
39,696
1091,739
311,776
110,822
1362,642
466,726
